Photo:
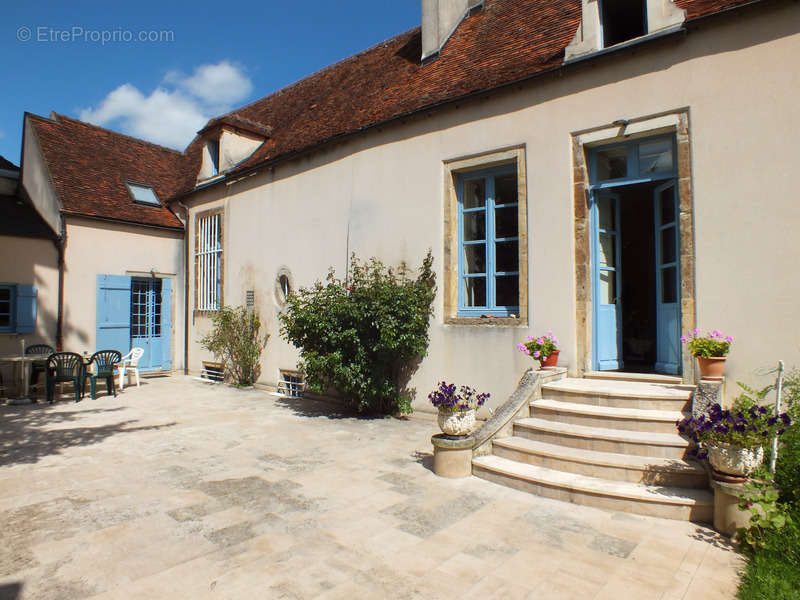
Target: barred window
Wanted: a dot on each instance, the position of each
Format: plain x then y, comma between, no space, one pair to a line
208,262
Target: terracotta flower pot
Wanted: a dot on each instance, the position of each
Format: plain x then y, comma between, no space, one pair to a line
712,367
550,361
456,422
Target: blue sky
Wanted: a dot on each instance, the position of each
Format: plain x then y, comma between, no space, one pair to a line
207,58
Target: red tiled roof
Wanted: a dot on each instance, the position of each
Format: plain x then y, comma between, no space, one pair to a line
89,166
506,41
7,165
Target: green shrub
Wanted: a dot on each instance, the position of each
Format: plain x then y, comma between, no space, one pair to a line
236,341
362,335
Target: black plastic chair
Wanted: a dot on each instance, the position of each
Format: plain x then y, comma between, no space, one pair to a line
64,367
105,362
38,368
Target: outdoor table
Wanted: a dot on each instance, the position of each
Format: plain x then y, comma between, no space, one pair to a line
22,365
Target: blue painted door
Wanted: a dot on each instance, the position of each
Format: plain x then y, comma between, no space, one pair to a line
149,330
607,273
668,307
113,313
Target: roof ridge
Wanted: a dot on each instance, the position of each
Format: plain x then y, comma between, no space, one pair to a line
329,67
117,133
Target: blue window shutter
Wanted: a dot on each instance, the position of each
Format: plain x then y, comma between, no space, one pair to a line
26,309
113,313
166,324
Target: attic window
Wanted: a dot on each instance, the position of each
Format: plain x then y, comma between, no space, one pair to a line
213,153
143,194
622,20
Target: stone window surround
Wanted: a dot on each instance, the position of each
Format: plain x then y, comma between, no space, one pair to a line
197,216
677,123
452,168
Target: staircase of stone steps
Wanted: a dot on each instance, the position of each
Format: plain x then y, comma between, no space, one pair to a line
607,440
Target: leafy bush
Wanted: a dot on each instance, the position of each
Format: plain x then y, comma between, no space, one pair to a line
710,345
236,341
362,335
787,468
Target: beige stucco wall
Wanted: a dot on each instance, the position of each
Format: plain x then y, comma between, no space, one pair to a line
36,179
101,248
31,261
386,189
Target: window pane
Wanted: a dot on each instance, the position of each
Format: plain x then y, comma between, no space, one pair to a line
474,193
507,256
475,258
606,208
5,307
474,291
5,320
608,287
475,226
607,250
667,198
669,285
505,188
612,163
5,295
668,245
507,291
506,222
655,157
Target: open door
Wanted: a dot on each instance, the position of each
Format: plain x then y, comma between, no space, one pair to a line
668,306
606,268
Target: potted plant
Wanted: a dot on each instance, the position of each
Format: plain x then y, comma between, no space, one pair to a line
733,439
456,407
543,348
710,349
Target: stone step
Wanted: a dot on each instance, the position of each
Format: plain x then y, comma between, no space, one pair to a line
664,502
613,417
607,465
622,394
602,439
640,377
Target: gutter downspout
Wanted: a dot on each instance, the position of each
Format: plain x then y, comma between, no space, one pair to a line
61,246
185,288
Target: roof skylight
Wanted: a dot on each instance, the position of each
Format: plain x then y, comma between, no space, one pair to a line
143,193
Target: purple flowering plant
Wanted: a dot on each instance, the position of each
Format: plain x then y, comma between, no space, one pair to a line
448,398
539,347
745,424
708,345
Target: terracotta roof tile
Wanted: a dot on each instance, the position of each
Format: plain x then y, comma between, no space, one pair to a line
89,166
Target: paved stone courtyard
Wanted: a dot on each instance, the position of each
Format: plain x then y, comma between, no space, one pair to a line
179,489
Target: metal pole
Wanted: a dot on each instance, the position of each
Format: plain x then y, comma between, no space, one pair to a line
778,391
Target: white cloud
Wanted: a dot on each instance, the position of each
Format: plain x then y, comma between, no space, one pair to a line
172,113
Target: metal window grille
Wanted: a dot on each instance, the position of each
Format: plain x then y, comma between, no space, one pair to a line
208,260
250,298
292,383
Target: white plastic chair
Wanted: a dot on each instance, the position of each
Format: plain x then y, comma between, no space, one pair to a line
130,362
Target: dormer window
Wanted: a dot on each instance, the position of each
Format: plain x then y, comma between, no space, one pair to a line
622,20
143,194
212,147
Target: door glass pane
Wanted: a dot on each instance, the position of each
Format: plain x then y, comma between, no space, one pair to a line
475,226
667,201
5,320
474,193
505,188
607,218
507,291
612,163
474,291
607,250
668,245
5,295
475,258
655,157
505,222
507,257
608,287
138,308
156,308
669,285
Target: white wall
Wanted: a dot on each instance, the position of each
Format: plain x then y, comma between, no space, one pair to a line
100,248
387,187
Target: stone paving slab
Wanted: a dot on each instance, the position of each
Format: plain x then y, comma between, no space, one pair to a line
180,489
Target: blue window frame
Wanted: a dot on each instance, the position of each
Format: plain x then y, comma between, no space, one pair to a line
8,296
648,159
488,242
